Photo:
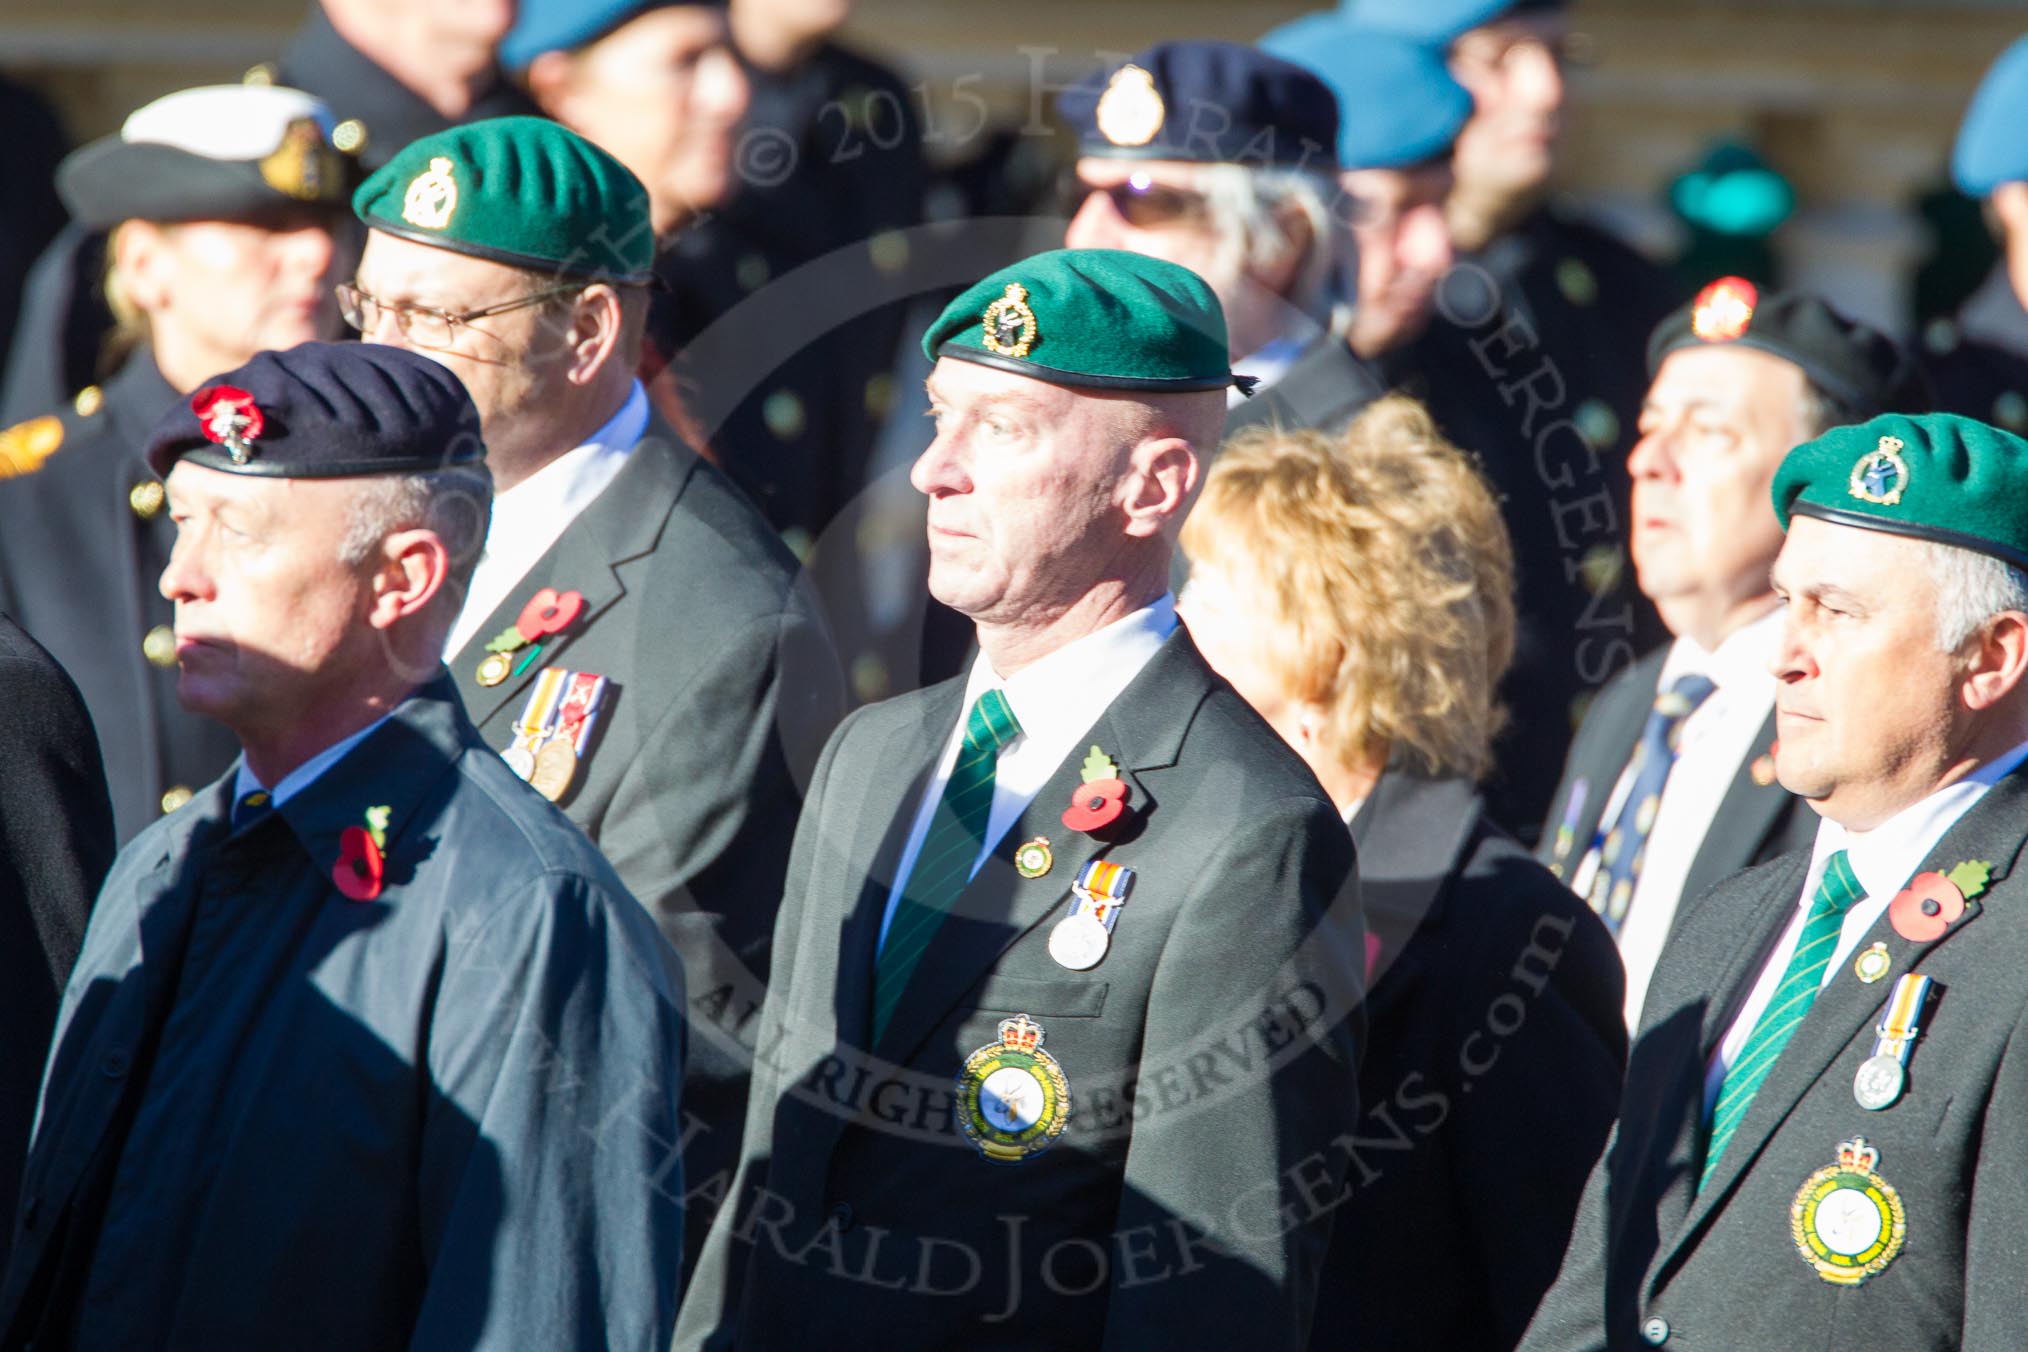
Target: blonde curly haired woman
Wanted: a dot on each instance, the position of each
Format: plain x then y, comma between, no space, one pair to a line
1358,591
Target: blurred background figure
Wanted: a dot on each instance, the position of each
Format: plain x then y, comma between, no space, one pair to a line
56,842
1358,593
1399,110
32,213
1670,784
1982,369
389,70
1534,362
224,209
1222,159
395,70
1729,203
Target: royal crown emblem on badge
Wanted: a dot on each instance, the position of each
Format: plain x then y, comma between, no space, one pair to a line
431,197
1847,1220
299,165
1881,474
1013,1099
1009,323
1131,111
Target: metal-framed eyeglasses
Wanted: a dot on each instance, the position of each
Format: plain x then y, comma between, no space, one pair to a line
424,325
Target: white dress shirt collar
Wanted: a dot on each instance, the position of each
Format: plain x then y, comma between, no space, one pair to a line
531,516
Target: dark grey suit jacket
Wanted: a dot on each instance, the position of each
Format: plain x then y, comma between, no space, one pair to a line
1653,1257
1754,822
1323,388
56,842
723,688
1209,1057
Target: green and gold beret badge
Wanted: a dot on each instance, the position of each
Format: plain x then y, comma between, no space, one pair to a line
1881,474
432,196
1010,324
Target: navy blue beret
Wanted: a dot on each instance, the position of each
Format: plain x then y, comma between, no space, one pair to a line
1397,102
1993,140
1438,22
1863,368
1208,102
324,411
565,25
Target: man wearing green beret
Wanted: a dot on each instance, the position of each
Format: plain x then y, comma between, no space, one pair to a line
1819,1129
1060,1040
635,640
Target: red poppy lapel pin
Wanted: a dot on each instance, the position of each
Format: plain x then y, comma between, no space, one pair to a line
549,612
1763,767
1097,802
361,864
1933,902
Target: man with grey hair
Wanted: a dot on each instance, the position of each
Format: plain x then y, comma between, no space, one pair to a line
368,969
1222,159
1818,1127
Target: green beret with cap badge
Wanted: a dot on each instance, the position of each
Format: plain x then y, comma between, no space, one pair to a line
517,190
1094,319
1933,476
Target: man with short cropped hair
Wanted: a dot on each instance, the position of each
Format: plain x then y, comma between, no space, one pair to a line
1024,901
367,1046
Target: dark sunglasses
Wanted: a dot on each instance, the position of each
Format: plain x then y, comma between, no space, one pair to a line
1139,201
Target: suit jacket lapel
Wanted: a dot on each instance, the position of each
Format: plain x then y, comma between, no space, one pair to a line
1599,767
1745,816
1142,730
622,523
915,747
1843,1009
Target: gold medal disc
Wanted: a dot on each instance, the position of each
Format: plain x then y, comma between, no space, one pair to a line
555,765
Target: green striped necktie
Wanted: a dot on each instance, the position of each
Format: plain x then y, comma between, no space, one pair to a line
1836,892
943,866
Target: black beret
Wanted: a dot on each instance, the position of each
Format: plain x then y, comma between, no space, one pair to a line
223,152
324,411
1208,102
1854,363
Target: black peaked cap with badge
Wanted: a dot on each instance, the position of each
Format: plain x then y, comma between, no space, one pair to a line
324,411
1209,103
1862,368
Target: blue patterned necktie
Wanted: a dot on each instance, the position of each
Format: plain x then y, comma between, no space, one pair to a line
1626,843
943,866
1801,981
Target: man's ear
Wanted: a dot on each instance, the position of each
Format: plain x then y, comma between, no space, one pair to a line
1299,239
414,567
549,83
594,336
1158,488
1997,663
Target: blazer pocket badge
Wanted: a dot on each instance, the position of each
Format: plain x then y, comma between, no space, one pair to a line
1013,1099
1847,1220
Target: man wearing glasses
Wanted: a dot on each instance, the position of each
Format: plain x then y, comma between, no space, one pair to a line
225,208
1222,159
635,640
